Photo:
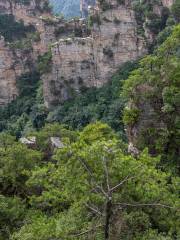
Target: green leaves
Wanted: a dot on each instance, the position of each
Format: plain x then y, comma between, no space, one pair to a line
67,194
15,160
12,212
153,95
176,10
12,30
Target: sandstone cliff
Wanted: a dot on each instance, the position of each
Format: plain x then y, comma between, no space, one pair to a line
19,56
83,55
91,61
8,73
84,5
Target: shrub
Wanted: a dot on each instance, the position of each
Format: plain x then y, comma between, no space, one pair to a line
12,30
108,52
44,62
176,10
130,115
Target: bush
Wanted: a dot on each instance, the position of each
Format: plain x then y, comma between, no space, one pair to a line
28,83
12,30
176,10
130,116
93,104
44,62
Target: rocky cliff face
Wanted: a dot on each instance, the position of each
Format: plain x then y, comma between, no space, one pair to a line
91,61
151,116
15,58
81,57
29,12
84,6
8,72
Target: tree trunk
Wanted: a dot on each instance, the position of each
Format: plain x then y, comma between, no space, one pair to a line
108,213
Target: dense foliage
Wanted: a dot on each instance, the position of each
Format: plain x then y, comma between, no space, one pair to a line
13,30
89,189
176,10
27,111
93,104
144,12
153,93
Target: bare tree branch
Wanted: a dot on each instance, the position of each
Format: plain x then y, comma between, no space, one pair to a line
88,169
86,232
143,205
106,172
121,183
127,178
94,209
105,193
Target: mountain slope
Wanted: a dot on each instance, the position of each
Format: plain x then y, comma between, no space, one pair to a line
69,8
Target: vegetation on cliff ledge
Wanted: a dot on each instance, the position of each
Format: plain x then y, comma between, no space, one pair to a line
91,187
73,175
153,89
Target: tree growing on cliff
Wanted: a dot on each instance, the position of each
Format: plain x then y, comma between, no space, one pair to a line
176,10
153,94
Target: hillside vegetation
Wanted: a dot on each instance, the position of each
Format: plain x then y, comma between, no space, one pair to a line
104,165
92,188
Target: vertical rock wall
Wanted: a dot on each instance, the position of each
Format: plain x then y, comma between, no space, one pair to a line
8,72
91,61
84,4
14,61
79,58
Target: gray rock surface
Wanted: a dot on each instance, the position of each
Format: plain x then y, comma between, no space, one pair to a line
69,8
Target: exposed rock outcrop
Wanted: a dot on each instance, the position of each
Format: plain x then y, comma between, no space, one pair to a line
29,12
168,3
15,60
91,61
84,5
8,72
81,57
152,113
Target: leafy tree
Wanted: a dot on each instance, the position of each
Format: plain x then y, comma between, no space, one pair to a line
27,109
93,104
94,190
153,91
176,10
12,212
28,83
15,160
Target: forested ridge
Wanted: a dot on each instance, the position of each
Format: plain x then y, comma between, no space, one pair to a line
76,178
